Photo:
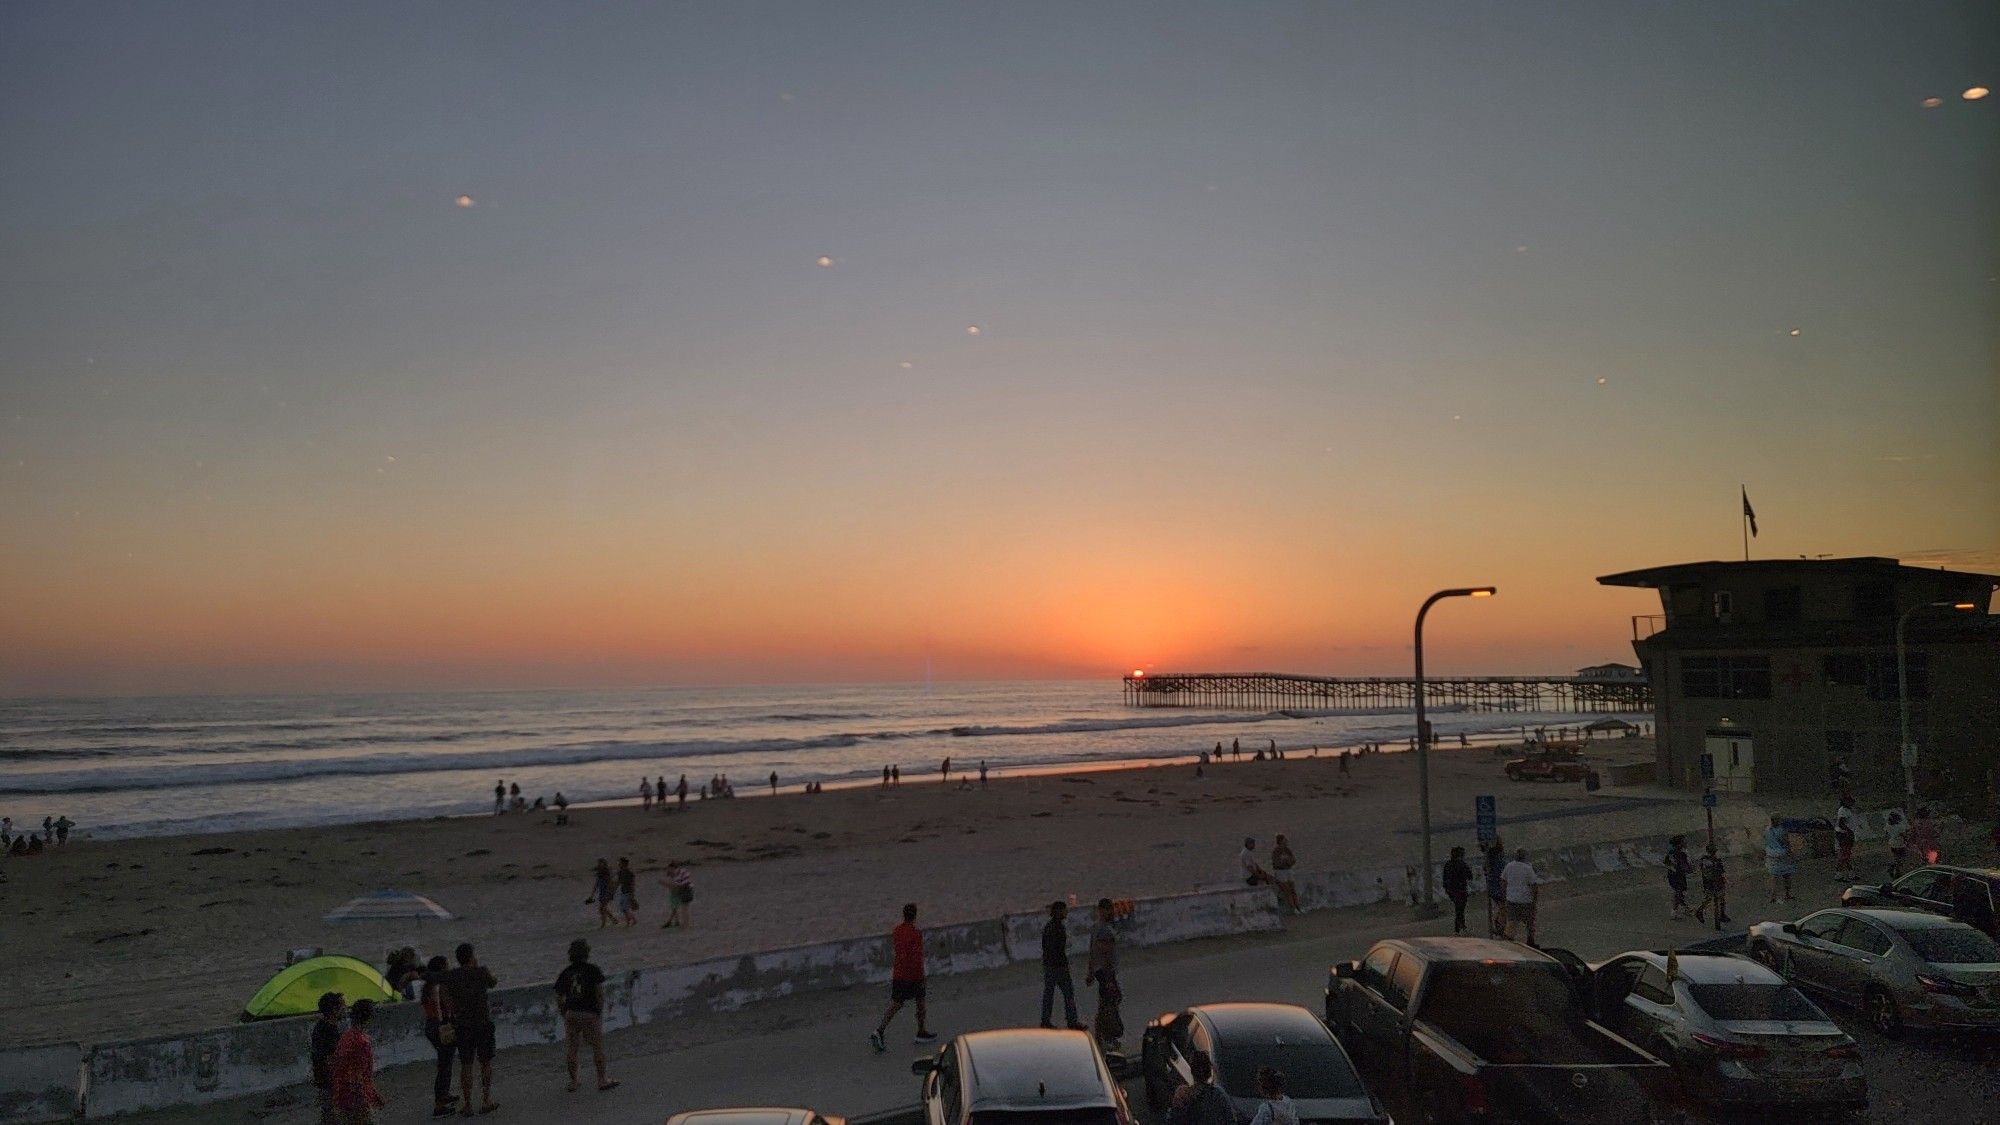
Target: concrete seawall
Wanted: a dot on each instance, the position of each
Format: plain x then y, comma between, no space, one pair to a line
66,1081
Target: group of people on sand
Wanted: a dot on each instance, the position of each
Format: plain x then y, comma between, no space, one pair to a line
54,833
508,798
622,888
458,1023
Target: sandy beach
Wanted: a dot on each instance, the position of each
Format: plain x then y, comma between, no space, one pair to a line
146,936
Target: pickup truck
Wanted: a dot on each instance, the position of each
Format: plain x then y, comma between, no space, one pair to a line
1477,1030
1548,764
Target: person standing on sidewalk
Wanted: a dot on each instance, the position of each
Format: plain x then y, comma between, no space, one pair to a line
580,994
354,1093
437,1022
1778,863
1896,833
1677,874
1109,1025
1055,968
1714,888
465,997
1844,820
1457,887
1496,889
325,1039
1523,889
906,979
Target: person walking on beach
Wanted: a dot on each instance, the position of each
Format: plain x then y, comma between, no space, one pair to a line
982,773
1457,887
628,892
1236,748
325,1038
1778,863
580,993
514,797
680,892
1714,888
895,775
681,792
499,797
1108,1027
600,893
465,993
885,777
1200,1102
1282,862
1677,866
906,979
645,794
1523,889
944,771
436,1020
354,1093
660,793
1055,968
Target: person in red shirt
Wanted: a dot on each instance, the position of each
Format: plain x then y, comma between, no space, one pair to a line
906,979
354,1095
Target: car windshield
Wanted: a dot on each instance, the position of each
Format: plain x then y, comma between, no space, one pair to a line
1754,1002
1311,1070
1952,945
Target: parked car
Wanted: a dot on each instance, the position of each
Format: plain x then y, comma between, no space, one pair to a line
1240,1038
1024,1076
1968,894
1550,763
765,1115
1901,968
1733,1029
1472,1029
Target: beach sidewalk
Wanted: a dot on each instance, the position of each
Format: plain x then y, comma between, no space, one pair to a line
812,1050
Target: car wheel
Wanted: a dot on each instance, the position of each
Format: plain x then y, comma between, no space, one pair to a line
1883,1014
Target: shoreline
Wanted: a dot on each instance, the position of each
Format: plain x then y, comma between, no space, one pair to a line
148,935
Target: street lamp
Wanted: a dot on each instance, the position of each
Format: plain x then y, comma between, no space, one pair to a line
1909,754
1428,908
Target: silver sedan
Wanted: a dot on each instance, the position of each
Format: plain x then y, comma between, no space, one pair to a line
1900,968
1735,1032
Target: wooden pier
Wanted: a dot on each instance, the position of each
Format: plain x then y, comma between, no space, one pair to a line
1279,691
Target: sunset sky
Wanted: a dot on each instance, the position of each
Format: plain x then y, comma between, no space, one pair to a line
490,345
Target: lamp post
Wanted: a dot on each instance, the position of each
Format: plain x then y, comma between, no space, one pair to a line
1428,907
1909,748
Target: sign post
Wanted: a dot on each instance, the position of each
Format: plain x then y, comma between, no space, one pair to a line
1486,818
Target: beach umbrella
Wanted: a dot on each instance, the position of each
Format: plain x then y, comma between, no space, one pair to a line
387,904
296,990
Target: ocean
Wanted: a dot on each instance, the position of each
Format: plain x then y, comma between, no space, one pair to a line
172,765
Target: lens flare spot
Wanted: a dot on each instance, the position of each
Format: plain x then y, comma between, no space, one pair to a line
1974,93
972,330
465,201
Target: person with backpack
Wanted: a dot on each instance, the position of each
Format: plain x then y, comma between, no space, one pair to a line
1714,888
580,994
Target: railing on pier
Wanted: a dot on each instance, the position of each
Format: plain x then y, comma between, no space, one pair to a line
1279,691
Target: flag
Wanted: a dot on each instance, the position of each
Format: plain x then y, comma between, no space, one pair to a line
1749,513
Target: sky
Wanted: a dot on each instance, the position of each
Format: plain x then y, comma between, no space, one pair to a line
514,344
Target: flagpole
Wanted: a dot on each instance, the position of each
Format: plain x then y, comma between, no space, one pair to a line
1744,518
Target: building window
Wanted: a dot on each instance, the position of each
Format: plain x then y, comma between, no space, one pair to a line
1783,604
1725,677
1725,607
1874,600
1876,672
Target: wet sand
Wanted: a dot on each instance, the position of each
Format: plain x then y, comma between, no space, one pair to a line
135,937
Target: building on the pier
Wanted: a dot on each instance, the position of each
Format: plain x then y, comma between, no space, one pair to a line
1786,670
1611,674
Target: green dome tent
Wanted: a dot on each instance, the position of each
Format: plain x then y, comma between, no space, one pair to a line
296,990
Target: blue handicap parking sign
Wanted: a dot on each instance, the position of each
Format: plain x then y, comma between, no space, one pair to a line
1486,817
